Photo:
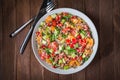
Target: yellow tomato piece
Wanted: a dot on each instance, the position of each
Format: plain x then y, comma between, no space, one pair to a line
74,63
70,36
39,51
52,28
77,63
75,21
78,28
48,61
38,39
88,51
59,37
79,20
48,19
71,63
90,42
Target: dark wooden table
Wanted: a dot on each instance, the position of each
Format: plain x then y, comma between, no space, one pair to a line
106,64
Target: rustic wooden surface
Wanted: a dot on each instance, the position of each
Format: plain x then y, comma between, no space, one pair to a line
104,13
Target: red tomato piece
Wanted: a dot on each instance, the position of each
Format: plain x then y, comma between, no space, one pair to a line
82,42
74,40
72,45
78,50
67,29
54,66
80,57
73,17
64,13
43,46
43,55
73,32
59,25
79,37
85,27
68,41
58,17
49,24
75,58
54,23
53,45
37,33
47,56
83,48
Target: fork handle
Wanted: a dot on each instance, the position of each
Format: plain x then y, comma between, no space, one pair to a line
26,40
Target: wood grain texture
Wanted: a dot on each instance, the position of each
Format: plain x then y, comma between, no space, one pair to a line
105,14
37,71
22,61
0,38
106,38
8,45
116,24
92,10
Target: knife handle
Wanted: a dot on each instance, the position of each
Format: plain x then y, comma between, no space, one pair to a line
14,33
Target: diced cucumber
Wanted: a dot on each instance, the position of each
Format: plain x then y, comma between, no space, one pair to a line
44,42
66,51
61,47
62,41
63,60
76,45
63,21
48,51
57,31
51,59
71,50
73,55
52,38
57,52
83,56
64,36
66,67
60,61
82,33
53,15
86,58
42,23
67,47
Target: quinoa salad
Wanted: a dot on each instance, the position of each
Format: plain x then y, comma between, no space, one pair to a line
64,40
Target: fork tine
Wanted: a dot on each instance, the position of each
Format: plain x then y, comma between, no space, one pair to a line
50,7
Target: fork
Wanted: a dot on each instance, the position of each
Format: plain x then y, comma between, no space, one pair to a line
14,33
44,10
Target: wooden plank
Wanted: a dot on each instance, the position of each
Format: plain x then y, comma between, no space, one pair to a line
23,61
37,71
92,11
106,40
7,54
1,38
116,22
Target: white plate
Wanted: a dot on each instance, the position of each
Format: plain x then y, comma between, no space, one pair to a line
94,34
